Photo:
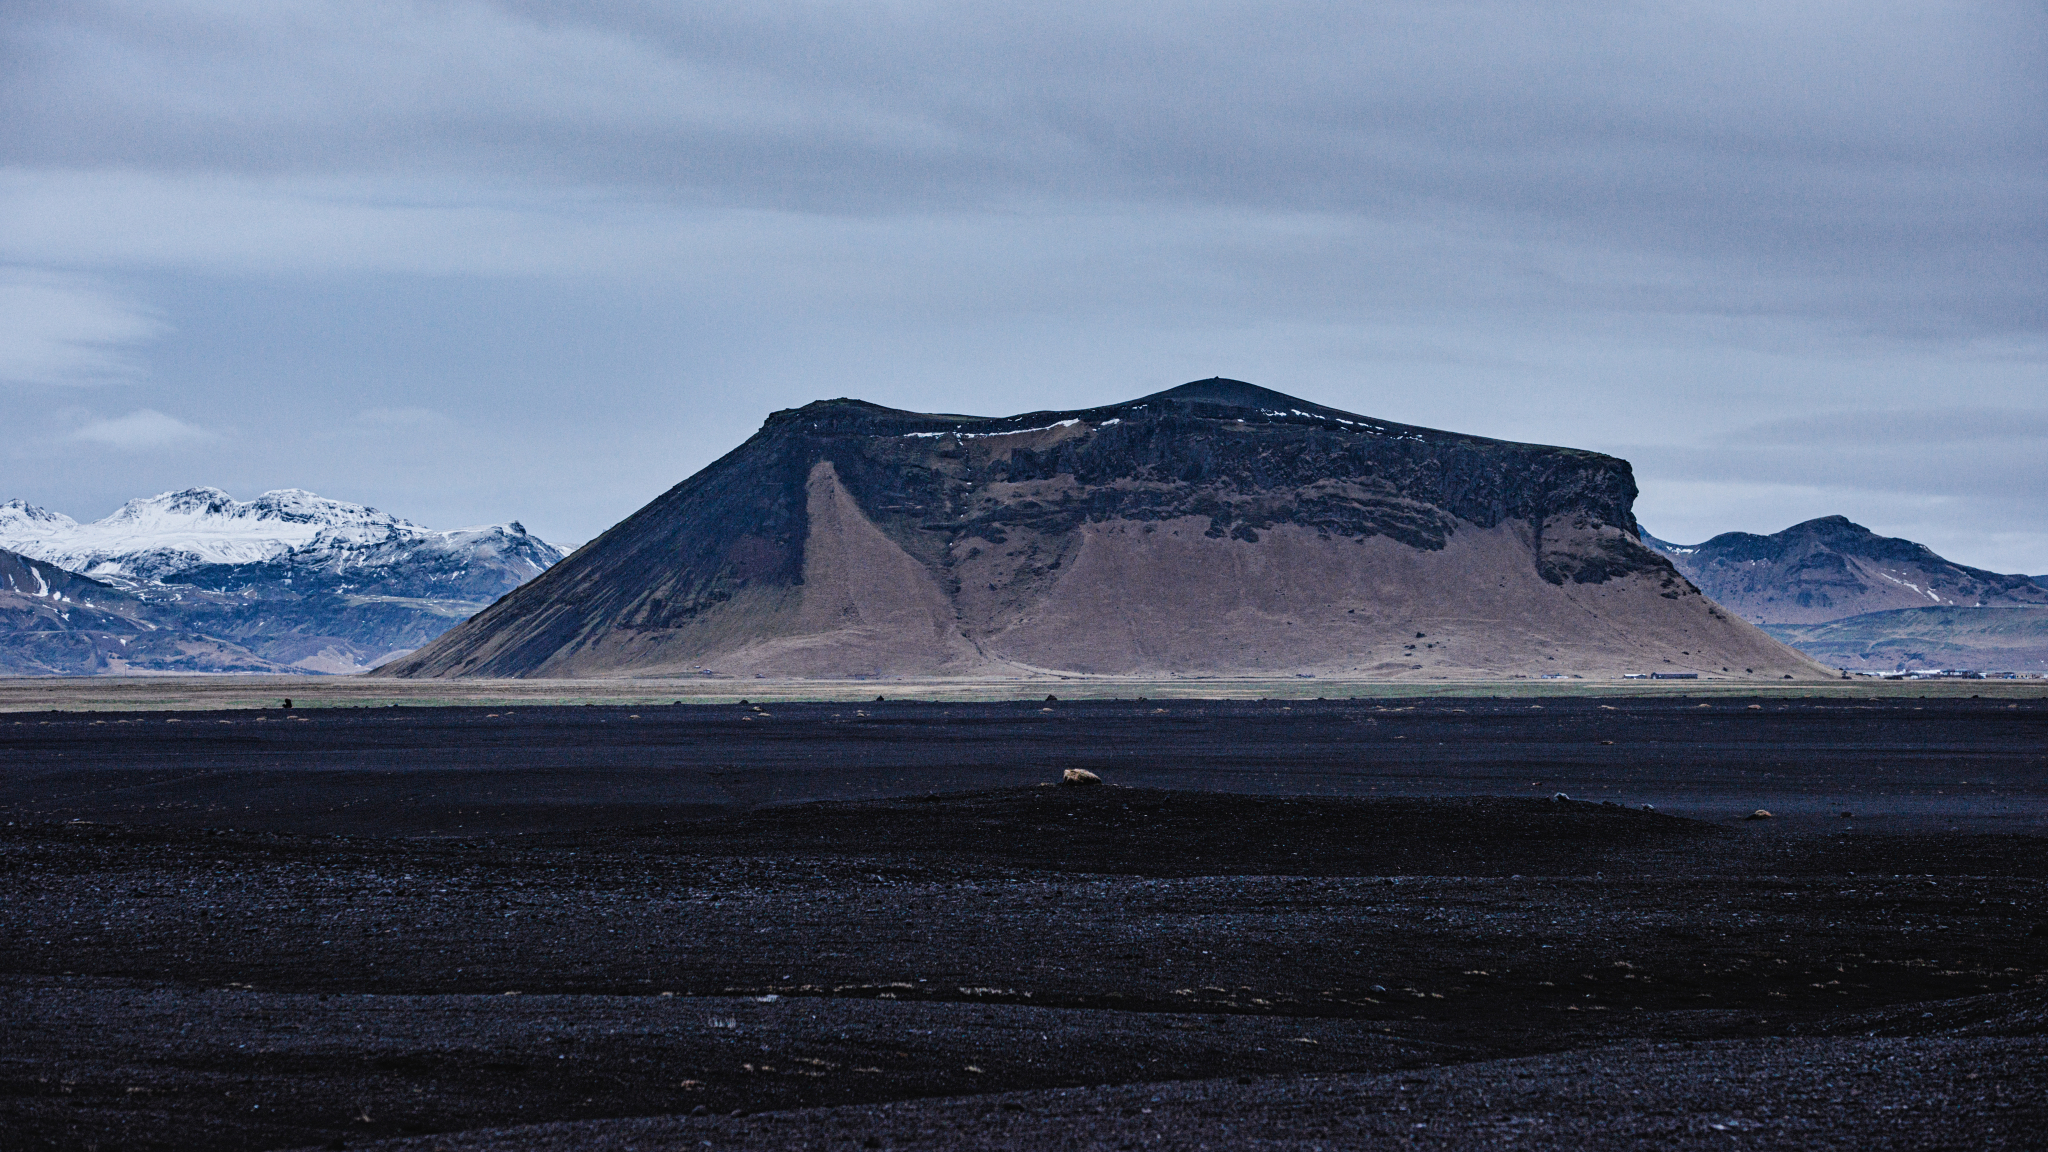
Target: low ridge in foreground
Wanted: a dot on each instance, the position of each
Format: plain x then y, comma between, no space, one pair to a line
1216,528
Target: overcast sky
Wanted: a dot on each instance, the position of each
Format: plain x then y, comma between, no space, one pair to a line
475,262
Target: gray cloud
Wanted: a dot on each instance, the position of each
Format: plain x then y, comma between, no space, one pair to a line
142,428
1888,430
58,329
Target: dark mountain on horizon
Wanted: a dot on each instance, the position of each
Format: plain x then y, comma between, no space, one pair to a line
1217,528
1832,567
1847,596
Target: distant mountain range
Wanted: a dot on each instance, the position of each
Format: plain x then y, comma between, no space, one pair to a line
197,581
1849,597
291,582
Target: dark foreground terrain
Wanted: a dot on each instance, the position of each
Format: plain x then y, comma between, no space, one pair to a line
1338,924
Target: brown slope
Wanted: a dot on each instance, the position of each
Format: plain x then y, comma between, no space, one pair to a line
1213,529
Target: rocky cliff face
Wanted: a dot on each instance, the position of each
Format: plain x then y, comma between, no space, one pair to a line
1213,529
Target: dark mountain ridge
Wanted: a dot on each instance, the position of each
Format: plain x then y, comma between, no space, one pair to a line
1831,568
1215,527
57,622
1852,598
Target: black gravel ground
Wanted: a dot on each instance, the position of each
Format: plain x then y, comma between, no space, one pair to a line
1966,1093
255,943
467,771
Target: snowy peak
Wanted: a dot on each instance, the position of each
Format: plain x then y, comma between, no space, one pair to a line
208,520
156,538
19,517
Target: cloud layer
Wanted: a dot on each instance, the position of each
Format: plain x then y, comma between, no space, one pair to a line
1769,251
142,428
57,329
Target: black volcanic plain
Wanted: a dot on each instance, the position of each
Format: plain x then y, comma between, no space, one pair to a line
1309,923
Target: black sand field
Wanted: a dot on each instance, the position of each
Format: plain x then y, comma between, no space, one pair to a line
1297,924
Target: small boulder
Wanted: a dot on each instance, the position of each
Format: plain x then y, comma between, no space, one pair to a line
1649,807
1079,776
1560,798
1759,814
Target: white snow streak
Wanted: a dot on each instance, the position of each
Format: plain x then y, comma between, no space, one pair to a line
985,435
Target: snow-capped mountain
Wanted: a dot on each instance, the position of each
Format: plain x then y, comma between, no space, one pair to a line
158,536
291,580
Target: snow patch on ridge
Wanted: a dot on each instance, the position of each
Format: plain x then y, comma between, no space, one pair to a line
984,435
1370,425
1927,592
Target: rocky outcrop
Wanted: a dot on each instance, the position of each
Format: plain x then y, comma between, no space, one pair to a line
1217,528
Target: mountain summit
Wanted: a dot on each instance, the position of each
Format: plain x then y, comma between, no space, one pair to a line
157,536
1217,528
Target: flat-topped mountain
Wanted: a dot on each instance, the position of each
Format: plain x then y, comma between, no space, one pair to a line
1216,528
